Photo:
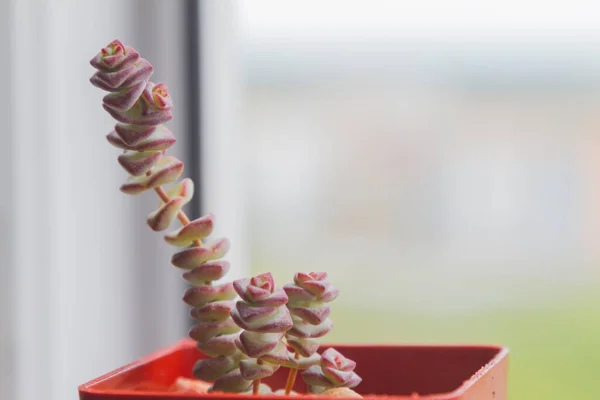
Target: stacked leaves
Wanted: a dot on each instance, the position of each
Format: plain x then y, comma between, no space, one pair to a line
215,331
141,107
265,319
308,296
334,371
264,314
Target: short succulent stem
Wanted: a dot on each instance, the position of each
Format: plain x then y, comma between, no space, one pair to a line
291,379
256,383
183,218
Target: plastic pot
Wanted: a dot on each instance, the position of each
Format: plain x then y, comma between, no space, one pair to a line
473,372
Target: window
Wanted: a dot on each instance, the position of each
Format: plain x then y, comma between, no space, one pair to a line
439,160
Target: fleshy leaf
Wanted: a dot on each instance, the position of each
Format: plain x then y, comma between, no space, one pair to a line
197,296
298,295
337,377
210,369
146,110
195,256
279,355
138,162
133,134
332,358
311,315
166,170
197,229
124,99
259,296
139,71
306,347
185,189
152,138
162,218
206,330
258,344
334,370
272,320
115,55
231,382
220,345
252,370
313,376
207,272
305,330
213,311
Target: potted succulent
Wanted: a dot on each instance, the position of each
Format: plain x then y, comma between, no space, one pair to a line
252,337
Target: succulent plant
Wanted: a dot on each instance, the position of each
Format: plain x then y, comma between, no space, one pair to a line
334,371
243,339
308,296
264,318
141,107
215,332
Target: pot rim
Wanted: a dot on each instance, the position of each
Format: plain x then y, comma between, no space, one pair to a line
89,387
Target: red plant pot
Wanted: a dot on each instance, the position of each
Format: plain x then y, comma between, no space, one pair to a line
400,372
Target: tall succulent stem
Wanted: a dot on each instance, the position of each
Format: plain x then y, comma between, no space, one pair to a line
264,318
291,379
256,383
308,298
236,360
140,108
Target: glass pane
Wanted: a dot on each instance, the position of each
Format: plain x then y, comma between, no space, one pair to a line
442,168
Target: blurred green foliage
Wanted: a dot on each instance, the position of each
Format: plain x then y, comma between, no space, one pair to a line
554,348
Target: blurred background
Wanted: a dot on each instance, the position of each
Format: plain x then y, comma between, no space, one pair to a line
441,160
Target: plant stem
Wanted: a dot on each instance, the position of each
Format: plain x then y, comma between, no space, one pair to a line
291,379
256,383
183,218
